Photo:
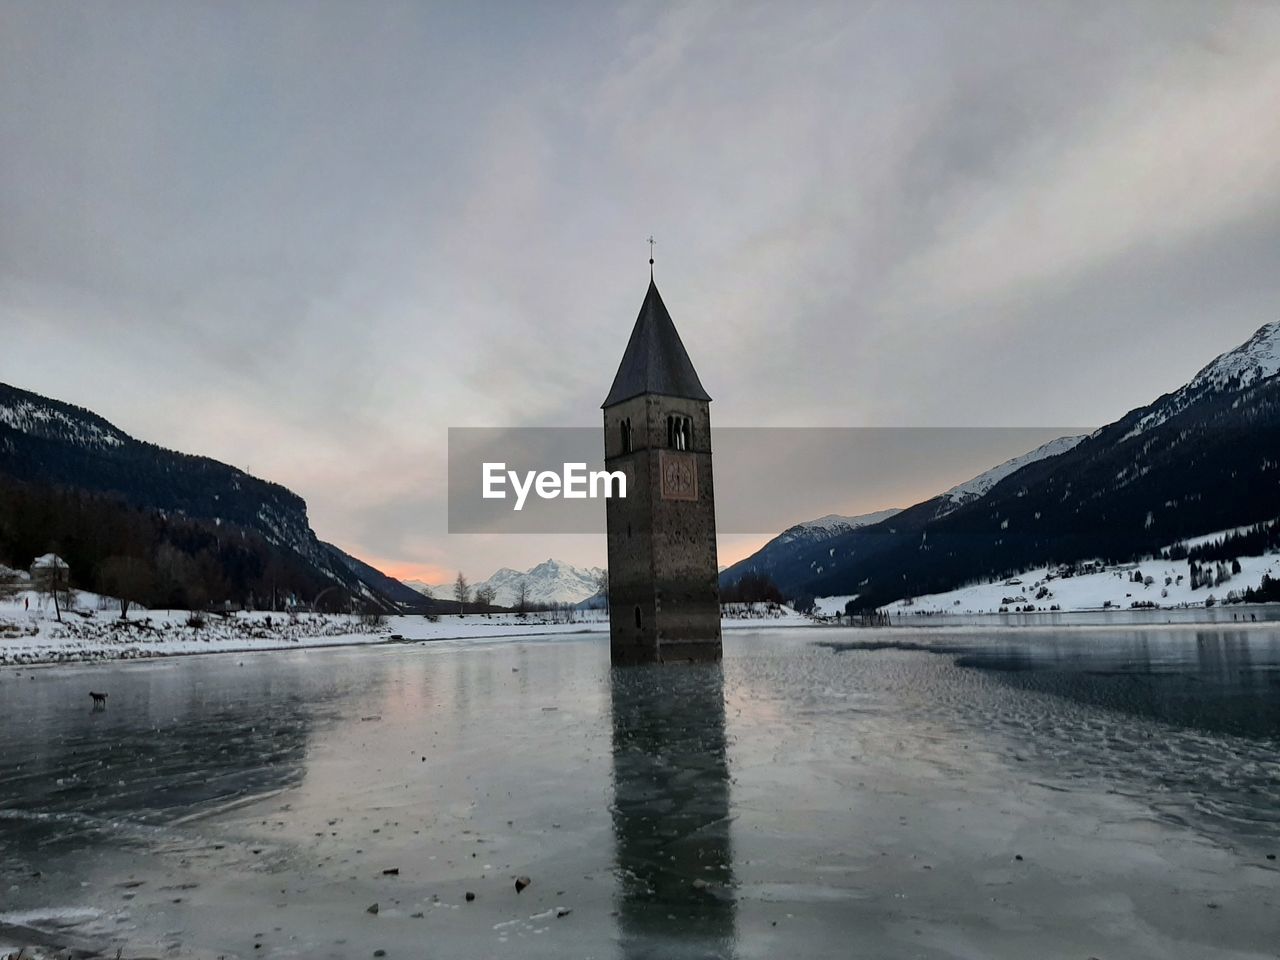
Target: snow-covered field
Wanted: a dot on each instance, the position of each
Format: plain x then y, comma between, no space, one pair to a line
832,606
31,634
1164,584
27,638
34,635
1110,588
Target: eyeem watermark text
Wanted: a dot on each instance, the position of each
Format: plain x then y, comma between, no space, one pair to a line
572,483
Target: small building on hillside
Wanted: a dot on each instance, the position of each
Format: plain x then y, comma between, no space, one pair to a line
50,565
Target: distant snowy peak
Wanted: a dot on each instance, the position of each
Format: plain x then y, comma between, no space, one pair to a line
58,421
1258,358
833,524
552,581
981,485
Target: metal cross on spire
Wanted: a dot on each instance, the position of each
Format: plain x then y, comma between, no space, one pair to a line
651,243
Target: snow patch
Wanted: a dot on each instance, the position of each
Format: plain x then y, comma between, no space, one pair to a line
37,419
981,485
833,524
1256,359
1106,588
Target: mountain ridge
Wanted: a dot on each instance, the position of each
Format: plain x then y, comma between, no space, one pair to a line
1204,457
48,445
549,582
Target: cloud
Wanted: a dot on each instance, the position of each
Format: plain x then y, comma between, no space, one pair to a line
1188,144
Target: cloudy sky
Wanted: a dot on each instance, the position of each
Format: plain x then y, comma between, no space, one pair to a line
306,238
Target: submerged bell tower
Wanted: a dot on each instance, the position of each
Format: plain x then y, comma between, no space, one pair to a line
664,593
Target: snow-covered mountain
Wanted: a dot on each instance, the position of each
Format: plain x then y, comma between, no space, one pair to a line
54,447
778,557
1205,457
36,416
552,581
832,525
47,441
981,485
1258,358
1255,359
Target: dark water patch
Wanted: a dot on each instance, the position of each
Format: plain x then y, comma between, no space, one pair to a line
1212,680
872,646
1186,721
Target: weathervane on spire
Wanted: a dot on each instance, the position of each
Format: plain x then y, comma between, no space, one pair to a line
651,243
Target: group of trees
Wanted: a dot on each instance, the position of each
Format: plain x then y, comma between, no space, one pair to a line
751,587
1212,574
1252,541
1268,591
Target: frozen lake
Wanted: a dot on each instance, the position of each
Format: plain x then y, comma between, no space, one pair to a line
1052,792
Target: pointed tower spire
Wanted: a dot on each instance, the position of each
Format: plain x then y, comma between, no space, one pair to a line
655,360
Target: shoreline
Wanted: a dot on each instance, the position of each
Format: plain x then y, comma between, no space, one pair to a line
185,645
1086,617
293,648
52,656
101,641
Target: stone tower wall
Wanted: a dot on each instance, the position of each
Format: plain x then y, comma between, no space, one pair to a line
662,549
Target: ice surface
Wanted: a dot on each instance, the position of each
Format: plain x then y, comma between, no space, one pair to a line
1042,793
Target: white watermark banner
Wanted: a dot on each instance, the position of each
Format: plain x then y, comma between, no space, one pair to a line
573,482
765,479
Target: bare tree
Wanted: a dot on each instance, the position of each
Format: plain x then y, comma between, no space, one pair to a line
126,578
51,577
461,592
485,595
602,588
522,598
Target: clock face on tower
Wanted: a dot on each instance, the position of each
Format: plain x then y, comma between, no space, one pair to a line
678,475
